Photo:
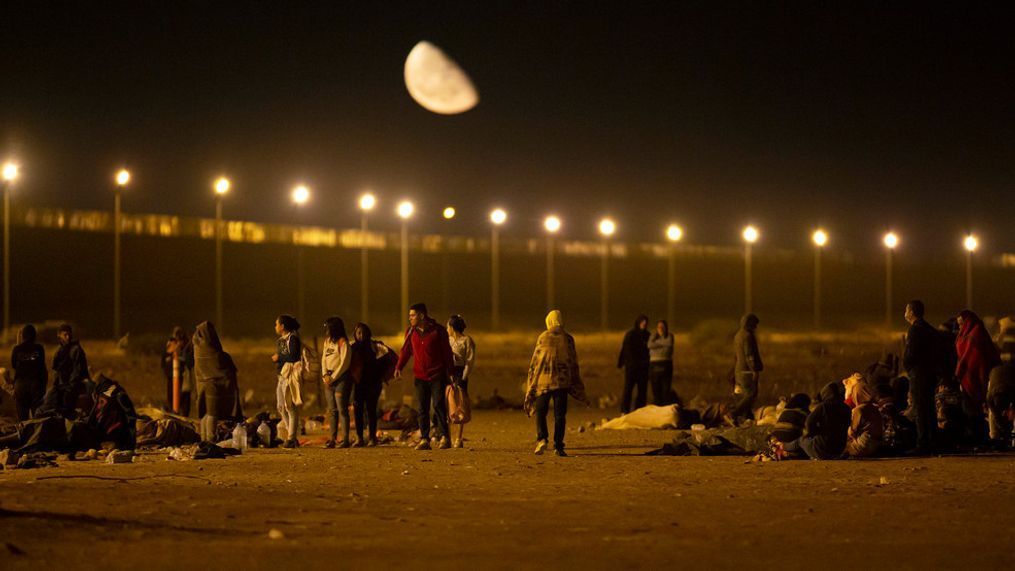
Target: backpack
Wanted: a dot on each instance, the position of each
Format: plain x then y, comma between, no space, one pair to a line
310,364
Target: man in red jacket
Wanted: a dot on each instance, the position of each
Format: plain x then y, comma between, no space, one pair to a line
427,343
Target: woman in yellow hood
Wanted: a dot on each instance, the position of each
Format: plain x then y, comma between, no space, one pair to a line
553,374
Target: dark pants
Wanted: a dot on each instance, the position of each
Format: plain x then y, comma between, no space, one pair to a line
922,409
559,397
28,396
634,377
660,376
365,401
747,393
431,394
337,396
62,399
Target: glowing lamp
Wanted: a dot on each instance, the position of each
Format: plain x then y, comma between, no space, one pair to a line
891,240
970,243
607,227
449,213
498,216
552,224
122,177
301,194
222,185
820,238
751,234
405,209
674,233
367,202
10,172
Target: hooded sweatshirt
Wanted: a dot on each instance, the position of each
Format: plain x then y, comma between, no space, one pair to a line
745,346
70,364
554,364
977,355
634,350
28,359
828,423
866,427
210,361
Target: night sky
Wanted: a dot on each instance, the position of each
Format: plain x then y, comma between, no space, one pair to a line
788,115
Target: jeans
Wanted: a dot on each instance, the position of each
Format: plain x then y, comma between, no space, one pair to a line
27,397
431,393
661,379
365,401
559,397
337,396
743,402
634,377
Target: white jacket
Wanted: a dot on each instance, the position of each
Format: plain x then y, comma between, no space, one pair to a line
335,359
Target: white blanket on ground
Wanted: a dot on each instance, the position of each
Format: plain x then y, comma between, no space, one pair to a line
650,417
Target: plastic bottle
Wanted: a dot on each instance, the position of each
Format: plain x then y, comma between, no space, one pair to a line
264,435
240,437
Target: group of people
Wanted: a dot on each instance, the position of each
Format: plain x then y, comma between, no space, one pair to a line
956,392
647,360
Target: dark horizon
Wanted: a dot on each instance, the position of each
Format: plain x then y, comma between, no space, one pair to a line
857,119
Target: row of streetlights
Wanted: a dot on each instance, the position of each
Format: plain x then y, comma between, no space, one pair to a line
406,209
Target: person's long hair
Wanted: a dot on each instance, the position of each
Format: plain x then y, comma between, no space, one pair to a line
335,329
289,323
666,327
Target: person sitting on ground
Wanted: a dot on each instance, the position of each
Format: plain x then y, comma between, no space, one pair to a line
899,433
112,419
553,374
464,350
790,424
827,427
217,387
883,371
28,362
1001,405
372,365
634,359
70,375
288,397
954,427
866,429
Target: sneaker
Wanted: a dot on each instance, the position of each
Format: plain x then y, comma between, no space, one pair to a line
372,443
540,447
329,444
423,445
289,444
344,444
458,444
359,443
445,443
560,452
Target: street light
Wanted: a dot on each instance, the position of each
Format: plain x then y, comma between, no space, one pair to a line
891,241
367,201
750,235
300,196
970,243
10,173
449,213
405,211
607,228
820,238
673,233
221,186
122,178
552,225
497,217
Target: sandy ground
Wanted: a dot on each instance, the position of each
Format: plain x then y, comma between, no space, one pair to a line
496,505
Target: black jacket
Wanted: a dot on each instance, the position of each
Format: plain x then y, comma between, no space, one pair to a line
923,355
29,363
634,350
828,423
70,364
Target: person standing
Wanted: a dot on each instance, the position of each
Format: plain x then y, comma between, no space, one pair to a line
463,350
553,374
217,386
335,362
922,361
288,352
977,356
179,353
747,369
634,359
28,361
427,344
371,367
70,373
660,350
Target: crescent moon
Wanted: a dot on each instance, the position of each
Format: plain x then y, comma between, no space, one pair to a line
436,82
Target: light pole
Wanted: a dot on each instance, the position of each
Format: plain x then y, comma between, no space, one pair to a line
122,178
449,215
300,196
10,172
552,226
673,233
366,203
221,188
891,240
820,238
497,217
606,228
750,236
405,210
970,243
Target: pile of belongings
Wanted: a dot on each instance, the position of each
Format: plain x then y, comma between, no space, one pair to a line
160,429
738,441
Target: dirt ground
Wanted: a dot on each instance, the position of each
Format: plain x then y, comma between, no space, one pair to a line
496,505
